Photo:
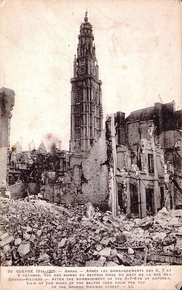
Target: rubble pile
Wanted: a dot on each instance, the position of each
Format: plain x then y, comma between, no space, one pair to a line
41,233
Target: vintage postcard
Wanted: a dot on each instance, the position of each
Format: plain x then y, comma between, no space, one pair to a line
91,144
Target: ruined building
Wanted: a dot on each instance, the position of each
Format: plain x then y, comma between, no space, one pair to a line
80,174
133,165
6,106
144,153
86,106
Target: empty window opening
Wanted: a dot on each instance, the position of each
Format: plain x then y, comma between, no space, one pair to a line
151,163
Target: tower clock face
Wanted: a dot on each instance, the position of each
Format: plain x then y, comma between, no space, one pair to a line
81,69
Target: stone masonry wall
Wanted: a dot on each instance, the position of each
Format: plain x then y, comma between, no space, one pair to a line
95,174
6,105
87,179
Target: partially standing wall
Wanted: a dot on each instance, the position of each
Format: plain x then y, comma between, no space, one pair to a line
7,98
89,176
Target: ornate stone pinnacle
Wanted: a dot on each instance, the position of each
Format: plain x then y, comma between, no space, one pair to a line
86,17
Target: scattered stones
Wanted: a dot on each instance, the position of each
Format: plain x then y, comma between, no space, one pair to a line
180,231
17,242
174,221
90,212
93,263
146,222
32,238
44,257
4,236
121,238
43,234
179,243
6,249
105,241
9,263
111,264
23,249
105,252
159,236
178,213
163,212
102,260
114,253
120,256
170,239
7,240
39,233
62,243
28,229
98,247
26,236
168,249
130,251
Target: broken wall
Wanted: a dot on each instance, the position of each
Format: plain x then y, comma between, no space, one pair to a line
141,169
17,190
95,173
85,180
123,157
6,105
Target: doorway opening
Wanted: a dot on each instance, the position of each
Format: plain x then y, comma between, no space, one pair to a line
162,201
150,201
122,197
134,198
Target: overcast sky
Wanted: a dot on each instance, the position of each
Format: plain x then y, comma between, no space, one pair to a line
137,46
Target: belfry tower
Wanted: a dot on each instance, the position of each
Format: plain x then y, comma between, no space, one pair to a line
86,106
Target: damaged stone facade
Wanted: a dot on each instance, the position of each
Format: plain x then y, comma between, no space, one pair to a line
35,171
133,165
113,199
84,176
94,174
144,155
7,98
61,176
129,169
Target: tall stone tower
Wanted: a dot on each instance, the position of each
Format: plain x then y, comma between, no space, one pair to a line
86,106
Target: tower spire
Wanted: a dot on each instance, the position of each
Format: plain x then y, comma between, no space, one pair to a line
86,103
86,16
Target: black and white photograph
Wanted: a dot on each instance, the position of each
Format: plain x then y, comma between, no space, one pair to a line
91,144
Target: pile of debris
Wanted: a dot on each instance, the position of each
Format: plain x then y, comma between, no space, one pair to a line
41,233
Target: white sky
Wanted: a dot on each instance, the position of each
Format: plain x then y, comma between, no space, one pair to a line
138,47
